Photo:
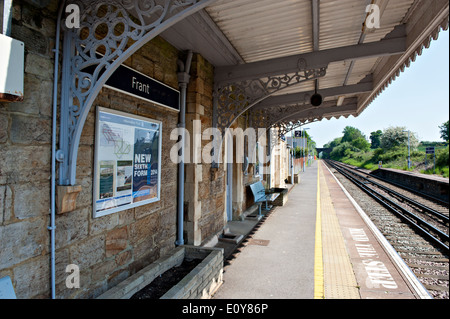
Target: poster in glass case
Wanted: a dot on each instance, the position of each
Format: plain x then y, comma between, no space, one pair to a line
127,161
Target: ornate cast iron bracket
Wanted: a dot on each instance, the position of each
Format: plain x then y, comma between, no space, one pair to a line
286,127
231,100
117,29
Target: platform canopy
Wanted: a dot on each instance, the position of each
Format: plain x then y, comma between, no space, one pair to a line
271,57
279,63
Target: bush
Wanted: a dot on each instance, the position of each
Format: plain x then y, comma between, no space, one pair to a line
370,166
343,149
444,172
393,155
361,143
394,137
442,159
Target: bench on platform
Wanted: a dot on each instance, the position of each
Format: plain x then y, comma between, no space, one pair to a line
260,195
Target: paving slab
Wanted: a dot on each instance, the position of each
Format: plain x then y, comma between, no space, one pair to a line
279,263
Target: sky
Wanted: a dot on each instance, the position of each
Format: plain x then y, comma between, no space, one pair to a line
418,99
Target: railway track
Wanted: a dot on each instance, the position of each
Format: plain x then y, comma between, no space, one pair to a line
416,226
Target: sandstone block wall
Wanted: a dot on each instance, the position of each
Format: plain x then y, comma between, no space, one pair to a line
25,157
108,249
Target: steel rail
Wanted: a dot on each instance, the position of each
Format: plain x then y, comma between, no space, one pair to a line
400,207
401,196
404,214
427,196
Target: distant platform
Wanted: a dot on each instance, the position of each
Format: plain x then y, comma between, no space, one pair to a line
431,185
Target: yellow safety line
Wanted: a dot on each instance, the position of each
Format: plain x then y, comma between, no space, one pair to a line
318,258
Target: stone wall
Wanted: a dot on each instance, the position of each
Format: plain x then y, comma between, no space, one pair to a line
203,281
204,187
111,248
25,158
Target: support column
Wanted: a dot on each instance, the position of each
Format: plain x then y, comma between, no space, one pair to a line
194,168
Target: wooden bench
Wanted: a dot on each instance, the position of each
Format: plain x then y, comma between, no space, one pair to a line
260,195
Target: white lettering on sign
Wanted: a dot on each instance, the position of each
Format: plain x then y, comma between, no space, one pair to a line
142,87
142,158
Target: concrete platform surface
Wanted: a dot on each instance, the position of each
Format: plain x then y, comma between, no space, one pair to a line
284,267
317,246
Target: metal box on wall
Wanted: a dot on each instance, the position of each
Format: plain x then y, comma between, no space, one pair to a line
11,69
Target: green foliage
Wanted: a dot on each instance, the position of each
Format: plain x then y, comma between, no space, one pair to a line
442,158
444,172
355,150
444,131
375,139
437,145
361,143
333,143
350,133
341,150
396,136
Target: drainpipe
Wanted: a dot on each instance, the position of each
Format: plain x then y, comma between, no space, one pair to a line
183,81
52,227
7,18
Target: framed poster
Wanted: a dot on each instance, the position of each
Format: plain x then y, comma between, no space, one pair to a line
127,171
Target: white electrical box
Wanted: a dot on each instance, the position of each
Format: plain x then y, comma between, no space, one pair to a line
11,69
6,288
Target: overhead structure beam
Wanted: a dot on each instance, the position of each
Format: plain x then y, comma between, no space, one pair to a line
234,99
391,45
309,116
315,23
301,97
274,116
323,112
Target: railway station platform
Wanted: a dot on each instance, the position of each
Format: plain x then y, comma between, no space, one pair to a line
319,245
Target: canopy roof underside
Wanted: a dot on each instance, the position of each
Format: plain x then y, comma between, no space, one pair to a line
244,38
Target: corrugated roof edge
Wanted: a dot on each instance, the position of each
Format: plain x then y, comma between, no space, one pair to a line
409,56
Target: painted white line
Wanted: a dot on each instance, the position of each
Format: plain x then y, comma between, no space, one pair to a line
421,291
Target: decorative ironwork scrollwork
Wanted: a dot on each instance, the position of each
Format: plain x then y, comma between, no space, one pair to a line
233,99
109,33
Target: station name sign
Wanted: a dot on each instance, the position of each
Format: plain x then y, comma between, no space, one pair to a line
430,150
134,83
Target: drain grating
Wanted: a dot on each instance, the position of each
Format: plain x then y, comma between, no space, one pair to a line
259,242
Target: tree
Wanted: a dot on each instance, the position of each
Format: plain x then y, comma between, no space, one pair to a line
444,131
361,143
333,143
351,134
375,139
356,138
396,136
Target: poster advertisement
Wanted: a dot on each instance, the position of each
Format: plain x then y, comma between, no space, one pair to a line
127,161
